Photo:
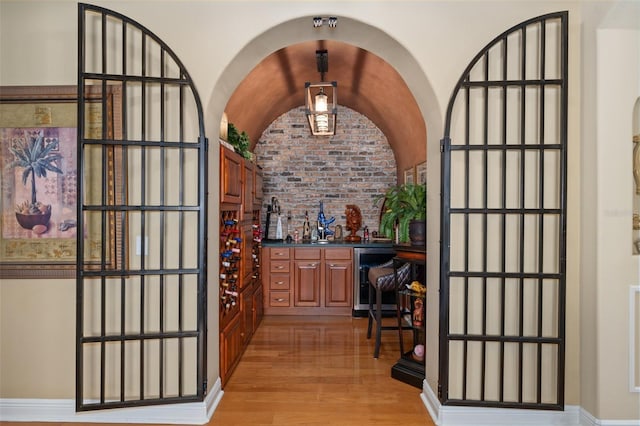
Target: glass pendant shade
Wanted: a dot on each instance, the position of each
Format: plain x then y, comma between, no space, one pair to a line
321,107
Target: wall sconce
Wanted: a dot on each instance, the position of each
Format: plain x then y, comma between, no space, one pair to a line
321,100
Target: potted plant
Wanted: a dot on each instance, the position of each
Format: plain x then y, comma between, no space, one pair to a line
240,141
404,207
36,159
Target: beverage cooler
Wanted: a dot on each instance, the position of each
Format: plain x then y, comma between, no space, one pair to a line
365,258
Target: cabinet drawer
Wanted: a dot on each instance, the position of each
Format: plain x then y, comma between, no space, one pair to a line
279,281
338,253
279,298
307,253
279,253
279,266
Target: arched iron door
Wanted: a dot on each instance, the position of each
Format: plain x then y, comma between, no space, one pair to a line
141,295
504,191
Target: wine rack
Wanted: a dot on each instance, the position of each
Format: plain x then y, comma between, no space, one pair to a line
256,246
230,253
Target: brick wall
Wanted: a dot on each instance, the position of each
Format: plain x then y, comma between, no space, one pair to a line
353,167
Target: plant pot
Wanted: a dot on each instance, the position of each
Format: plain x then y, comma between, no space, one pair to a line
418,232
28,221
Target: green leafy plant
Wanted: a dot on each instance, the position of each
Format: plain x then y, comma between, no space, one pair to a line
240,141
36,159
402,204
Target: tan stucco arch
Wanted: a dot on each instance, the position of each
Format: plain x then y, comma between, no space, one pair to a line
350,31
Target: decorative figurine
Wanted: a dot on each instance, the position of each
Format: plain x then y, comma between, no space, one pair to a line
323,222
418,312
337,236
354,221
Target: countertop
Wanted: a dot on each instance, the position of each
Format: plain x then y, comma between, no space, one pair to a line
272,243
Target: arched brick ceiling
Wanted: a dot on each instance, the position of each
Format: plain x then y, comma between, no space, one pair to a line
366,83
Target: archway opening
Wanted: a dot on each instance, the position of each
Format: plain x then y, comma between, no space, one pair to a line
361,36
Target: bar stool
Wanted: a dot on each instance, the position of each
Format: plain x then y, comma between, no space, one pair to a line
382,280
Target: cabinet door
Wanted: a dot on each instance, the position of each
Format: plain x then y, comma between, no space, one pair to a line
247,188
338,283
230,176
258,307
307,283
230,348
258,193
246,308
246,266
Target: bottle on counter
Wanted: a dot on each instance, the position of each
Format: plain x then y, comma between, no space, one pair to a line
366,234
306,228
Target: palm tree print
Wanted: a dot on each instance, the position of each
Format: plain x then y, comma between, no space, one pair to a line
36,158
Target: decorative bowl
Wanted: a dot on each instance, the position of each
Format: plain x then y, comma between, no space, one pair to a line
28,221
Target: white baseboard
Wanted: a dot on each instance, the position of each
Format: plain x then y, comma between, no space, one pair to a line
586,419
472,416
63,410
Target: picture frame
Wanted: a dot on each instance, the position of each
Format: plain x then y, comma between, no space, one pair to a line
421,173
409,175
43,119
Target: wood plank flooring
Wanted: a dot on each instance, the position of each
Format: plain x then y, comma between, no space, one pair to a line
318,371
315,371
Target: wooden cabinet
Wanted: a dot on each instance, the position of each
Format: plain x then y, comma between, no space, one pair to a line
248,188
246,308
231,165
307,276
338,284
258,193
231,346
246,265
277,279
308,280
241,300
258,305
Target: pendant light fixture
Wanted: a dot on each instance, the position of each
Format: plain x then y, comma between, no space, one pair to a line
321,100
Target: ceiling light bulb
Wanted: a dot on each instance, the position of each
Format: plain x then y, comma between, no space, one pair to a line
321,102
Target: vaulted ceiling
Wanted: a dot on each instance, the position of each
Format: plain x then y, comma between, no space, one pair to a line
366,84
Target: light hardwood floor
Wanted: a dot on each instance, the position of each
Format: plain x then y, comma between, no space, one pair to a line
316,371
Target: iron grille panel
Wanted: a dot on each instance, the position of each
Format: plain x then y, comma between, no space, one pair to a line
141,295
503,253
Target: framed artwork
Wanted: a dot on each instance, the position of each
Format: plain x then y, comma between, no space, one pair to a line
409,175
421,173
39,180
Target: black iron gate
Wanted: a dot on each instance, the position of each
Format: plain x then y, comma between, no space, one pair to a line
141,295
504,168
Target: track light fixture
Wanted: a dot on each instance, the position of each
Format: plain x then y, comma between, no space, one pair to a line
331,21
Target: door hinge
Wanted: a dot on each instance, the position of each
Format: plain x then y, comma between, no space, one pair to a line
204,387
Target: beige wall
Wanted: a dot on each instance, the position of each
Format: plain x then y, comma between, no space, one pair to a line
430,43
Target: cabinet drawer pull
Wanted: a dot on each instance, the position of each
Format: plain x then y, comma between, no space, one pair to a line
279,254
279,299
279,267
313,265
279,282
